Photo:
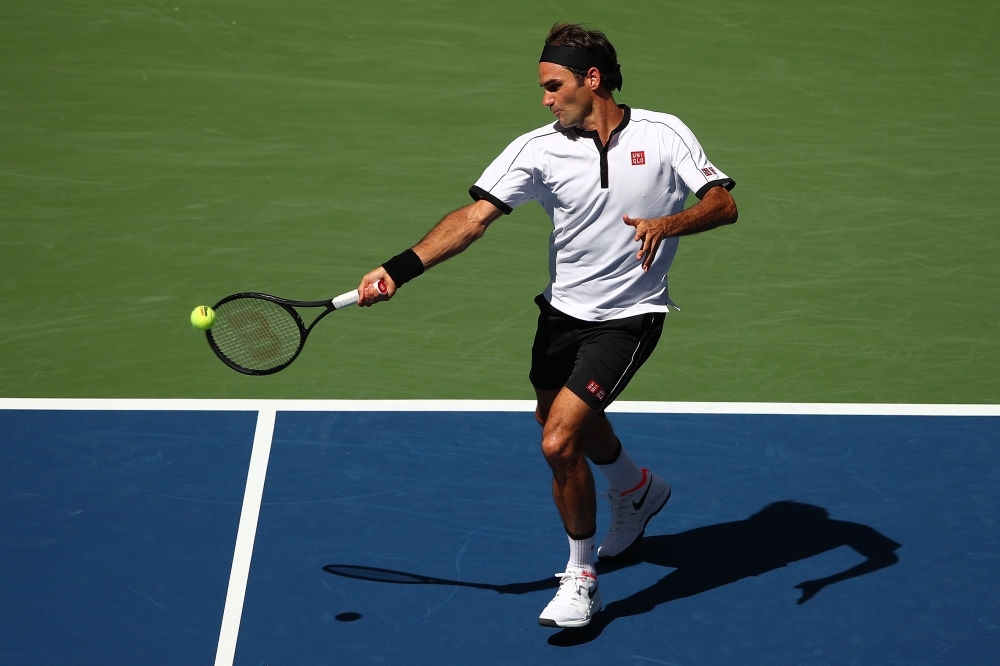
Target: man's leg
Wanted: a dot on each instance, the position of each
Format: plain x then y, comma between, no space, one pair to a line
567,423
583,366
635,494
572,432
608,358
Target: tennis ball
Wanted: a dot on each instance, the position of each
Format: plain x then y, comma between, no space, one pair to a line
202,317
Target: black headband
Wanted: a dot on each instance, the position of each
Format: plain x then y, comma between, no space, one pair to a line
567,56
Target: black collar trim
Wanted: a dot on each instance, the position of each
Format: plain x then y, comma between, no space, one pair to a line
592,134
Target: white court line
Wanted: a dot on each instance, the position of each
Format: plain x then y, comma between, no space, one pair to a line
222,405
245,536
632,407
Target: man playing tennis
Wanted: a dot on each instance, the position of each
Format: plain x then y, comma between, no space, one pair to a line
614,181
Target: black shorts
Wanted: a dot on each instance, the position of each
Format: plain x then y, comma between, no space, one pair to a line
594,359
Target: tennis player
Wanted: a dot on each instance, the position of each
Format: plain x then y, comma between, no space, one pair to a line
614,180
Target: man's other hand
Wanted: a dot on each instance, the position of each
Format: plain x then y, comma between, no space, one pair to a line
650,233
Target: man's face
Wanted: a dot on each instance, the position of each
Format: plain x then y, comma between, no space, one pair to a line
568,101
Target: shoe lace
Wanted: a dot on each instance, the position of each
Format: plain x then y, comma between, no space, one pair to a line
618,508
573,583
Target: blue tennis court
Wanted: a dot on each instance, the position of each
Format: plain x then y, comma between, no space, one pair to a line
428,537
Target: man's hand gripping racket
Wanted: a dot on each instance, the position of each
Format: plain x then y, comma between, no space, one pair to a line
260,334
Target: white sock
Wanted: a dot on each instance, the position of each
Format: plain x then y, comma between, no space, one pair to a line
622,474
581,553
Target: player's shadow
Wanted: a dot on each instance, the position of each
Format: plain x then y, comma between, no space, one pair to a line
708,557
703,559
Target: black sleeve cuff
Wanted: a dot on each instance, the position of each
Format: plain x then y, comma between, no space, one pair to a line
727,183
477,193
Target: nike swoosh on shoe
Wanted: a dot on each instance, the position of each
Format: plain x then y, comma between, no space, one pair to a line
643,499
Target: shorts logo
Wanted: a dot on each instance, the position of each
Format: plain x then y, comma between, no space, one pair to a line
596,390
638,157
709,171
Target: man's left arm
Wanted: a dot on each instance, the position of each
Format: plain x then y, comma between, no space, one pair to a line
716,209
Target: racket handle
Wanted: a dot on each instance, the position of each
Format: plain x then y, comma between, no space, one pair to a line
351,297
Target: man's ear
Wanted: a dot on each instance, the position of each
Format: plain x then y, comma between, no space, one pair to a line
594,78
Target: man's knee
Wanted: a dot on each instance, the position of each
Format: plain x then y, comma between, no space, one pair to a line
556,447
562,442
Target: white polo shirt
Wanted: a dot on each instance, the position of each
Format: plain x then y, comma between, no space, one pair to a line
651,163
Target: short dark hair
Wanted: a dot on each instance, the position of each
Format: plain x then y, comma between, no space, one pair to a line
576,36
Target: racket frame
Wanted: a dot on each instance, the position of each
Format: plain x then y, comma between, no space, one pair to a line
289,306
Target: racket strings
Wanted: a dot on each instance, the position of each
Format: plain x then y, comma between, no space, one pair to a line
256,334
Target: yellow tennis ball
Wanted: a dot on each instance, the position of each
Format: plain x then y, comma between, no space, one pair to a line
203,317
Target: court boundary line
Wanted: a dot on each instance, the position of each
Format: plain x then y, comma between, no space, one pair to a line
621,407
246,534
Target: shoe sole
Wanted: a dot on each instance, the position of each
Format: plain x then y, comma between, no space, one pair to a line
625,551
565,625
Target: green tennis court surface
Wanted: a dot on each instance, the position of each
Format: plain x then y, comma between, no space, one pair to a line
159,155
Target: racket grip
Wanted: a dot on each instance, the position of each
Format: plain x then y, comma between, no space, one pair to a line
351,297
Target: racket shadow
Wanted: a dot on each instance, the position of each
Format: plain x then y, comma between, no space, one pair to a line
379,575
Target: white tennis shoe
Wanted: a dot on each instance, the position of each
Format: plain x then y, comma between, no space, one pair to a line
576,602
631,511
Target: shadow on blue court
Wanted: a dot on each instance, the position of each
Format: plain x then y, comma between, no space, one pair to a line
407,538
429,538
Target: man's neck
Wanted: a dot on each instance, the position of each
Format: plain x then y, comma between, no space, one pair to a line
605,116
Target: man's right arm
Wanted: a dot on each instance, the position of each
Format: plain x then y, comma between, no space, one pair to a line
455,232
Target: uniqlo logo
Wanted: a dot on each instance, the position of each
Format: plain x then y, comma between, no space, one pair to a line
709,171
596,390
638,157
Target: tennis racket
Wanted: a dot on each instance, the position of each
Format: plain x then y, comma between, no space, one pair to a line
260,334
